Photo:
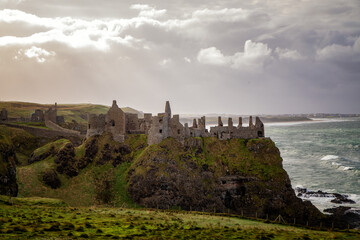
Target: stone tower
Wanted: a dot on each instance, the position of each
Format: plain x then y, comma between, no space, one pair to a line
168,109
115,122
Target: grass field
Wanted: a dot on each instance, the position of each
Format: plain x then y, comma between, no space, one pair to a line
77,112
37,218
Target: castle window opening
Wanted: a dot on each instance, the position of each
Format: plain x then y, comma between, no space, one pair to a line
178,131
112,123
89,126
260,134
160,131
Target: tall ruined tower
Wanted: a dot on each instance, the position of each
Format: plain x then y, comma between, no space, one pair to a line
166,120
115,122
167,109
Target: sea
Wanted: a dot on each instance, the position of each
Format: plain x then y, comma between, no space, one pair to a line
323,154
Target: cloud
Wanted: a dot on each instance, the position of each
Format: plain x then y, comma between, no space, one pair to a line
221,15
165,62
344,56
212,56
233,46
147,11
37,53
336,51
284,53
253,57
186,59
75,33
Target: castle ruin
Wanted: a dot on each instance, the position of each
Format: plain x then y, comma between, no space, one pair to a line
3,115
165,125
118,123
37,116
51,115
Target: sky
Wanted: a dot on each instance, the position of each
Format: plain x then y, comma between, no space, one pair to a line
235,57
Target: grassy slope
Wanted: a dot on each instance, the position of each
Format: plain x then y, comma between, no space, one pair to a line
38,218
71,112
79,190
23,142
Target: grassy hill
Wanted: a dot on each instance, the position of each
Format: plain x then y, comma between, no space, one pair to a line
88,176
93,177
37,218
77,112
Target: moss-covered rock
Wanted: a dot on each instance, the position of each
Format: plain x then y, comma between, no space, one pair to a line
8,185
241,176
51,179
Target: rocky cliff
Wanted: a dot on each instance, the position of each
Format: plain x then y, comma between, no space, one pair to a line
239,176
8,185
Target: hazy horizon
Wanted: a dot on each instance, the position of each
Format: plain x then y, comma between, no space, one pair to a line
233,57
189,114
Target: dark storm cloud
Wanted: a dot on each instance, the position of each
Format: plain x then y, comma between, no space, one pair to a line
205,56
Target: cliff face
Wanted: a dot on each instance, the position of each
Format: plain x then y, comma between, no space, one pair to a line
16,145
8,185
237,175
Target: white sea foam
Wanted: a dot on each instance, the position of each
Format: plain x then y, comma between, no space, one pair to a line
324,202
329,157
345,168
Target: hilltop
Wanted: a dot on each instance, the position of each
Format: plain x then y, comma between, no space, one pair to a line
77,112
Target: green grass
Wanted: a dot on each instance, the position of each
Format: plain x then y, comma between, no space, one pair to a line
80,190
77,112
50,219
31,201
23,142
32,124
57,145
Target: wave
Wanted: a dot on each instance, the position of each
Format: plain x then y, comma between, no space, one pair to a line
329,157
322,200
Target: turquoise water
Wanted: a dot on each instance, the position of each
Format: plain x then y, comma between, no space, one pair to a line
321,155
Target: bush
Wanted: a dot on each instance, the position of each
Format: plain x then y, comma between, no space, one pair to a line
51,179
104,187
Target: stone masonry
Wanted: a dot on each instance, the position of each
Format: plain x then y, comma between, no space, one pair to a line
118,123
3,115
165,125
38,116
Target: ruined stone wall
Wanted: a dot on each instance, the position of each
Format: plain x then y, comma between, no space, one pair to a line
38,116
42,132
155,133
115,122
198,129
50,115
132,122
145,123
60,119
163,126
3,115
177,130
228,132
58,128
96,125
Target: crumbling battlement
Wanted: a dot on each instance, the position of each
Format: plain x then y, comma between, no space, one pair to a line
163,126
38,116
229,132
117,123
166,125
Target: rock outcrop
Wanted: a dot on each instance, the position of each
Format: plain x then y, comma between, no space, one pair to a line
237,175
8,185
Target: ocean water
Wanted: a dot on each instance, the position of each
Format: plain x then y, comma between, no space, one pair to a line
321,155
